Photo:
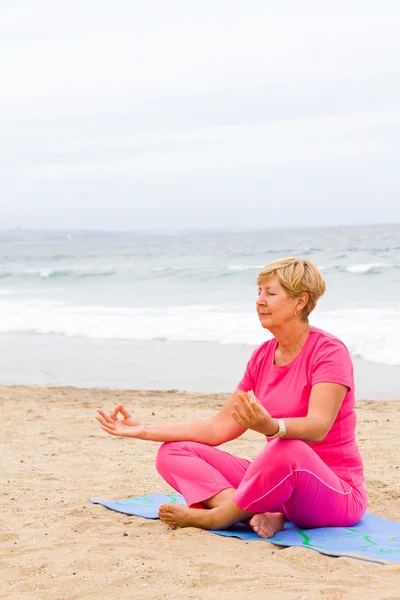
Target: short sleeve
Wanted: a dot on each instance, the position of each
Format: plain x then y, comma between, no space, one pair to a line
333,364
247,381
250,377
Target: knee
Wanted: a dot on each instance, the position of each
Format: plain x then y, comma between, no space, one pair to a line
167,451
163,454
286,451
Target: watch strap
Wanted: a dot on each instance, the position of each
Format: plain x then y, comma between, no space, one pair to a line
281,429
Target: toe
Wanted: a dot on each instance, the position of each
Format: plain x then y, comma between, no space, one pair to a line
263,534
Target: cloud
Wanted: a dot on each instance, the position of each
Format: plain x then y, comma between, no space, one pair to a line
186,112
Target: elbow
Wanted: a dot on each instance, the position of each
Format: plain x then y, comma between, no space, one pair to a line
318,429
218,441
319,436
317,439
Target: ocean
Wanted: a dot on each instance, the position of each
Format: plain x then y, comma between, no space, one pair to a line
176,310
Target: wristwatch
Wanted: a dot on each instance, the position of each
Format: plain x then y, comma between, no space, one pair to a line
281,430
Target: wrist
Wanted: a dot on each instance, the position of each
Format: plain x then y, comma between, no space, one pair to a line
280,431
145,435
273,428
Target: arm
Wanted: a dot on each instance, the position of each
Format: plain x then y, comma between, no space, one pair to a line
219,429
325,402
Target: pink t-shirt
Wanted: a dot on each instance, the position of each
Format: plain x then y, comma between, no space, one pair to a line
285,392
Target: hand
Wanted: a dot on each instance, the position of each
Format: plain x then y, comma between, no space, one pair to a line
250,413
128,426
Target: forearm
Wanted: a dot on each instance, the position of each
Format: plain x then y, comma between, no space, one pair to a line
195,431
309,428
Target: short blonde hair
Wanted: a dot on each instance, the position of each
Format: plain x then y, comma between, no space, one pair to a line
296,276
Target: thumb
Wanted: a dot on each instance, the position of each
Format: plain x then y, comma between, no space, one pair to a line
252,396
114,414
124,412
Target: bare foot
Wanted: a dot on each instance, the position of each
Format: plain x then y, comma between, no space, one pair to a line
179,515
267,524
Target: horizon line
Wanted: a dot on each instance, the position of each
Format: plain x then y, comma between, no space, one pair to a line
171,230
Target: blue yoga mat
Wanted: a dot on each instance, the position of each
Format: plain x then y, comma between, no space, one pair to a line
373,538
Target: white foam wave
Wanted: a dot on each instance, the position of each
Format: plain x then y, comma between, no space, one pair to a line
244,267
370,333
175,323
364,268
50,272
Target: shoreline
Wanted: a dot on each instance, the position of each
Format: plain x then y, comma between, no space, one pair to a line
56,544
205,367
143,391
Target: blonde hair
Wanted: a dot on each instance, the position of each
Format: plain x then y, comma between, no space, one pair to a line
296,276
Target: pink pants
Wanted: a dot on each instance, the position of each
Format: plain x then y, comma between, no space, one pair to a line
287,476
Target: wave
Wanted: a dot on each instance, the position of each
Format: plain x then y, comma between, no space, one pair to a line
54,273
245,267
358,268
308,251
370,333
367,268
201,272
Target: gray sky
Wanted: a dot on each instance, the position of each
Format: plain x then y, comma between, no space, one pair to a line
205,113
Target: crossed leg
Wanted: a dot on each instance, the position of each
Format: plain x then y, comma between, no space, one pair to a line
287,478
198,471
224,514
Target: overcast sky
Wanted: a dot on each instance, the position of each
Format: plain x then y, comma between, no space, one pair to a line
199,113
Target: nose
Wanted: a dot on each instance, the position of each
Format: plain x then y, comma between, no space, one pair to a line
261,300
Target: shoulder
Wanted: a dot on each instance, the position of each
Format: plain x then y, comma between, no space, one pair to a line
323,340
330,360
262,351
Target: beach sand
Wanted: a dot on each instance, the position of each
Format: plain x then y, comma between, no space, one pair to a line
57,545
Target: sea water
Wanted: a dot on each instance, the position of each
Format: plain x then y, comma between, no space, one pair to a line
177,309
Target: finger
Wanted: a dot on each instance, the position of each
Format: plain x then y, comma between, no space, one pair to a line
124,412
114,413
105,423
256,404
110,431
104,416
238,419
240,411
252,398
244,398
246,405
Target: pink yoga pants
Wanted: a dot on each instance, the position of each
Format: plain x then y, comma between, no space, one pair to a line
287,476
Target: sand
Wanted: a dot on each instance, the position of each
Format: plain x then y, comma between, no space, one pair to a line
57,545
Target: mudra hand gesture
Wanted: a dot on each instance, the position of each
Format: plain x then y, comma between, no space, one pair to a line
250,413
128,426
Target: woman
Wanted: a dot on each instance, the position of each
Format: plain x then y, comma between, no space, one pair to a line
298,391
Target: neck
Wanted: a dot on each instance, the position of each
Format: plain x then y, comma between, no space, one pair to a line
291,340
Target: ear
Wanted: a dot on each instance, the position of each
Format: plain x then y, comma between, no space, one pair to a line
301,301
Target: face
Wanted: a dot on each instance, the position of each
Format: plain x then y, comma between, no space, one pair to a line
274,307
